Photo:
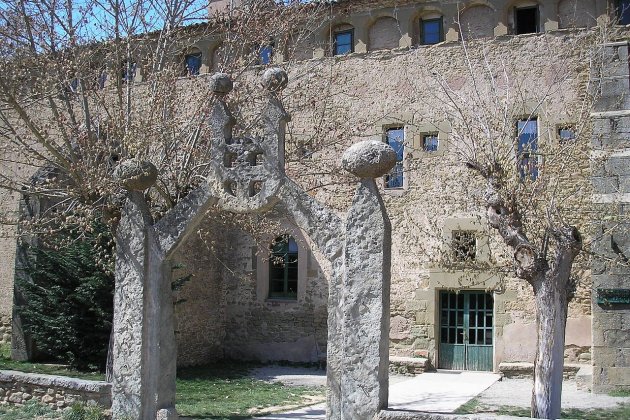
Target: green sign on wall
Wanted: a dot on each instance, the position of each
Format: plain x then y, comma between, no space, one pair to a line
613,296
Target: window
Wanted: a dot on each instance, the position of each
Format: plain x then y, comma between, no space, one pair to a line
265,53
128,71
395,137
566,134
623,12
430,142
464,245
283,268
430,31
526,20
343,42
192,63
527,132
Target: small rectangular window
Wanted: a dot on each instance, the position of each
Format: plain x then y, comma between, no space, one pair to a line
343,42
430,31
430,142
128,71
527,154
526,20
464,245
395,137
566,134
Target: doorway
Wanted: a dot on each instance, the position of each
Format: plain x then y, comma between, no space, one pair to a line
466,330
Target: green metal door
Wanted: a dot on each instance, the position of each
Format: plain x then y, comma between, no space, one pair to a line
466,330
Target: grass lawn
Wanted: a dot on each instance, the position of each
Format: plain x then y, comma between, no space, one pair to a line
7,364
224,391
622,411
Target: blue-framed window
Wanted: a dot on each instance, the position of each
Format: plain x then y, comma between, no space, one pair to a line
395,137
192,62
283,268
623,12
527,155
430,142
430,31
343,42
265,54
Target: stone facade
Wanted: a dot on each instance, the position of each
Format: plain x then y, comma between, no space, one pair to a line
223,309
58,392
611,152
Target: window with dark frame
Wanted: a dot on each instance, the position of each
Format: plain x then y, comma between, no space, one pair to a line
464,245
526,20
343,42
527,152
283,268
566,134
430,31
192,63
623,12
430,142
395,137
128,71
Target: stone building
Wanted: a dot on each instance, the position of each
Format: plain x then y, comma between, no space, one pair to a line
379,65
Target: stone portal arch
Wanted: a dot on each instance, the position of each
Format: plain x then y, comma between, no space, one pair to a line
359,252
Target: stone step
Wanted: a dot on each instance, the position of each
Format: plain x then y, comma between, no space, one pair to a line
408,365
526,369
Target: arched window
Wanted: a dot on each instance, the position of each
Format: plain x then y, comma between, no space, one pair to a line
431,29
343,40
384,34
283,268
192,62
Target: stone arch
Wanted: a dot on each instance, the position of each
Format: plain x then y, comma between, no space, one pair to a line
576,14
301,45
477,21
384,34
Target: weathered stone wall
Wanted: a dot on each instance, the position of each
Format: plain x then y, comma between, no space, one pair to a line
58,392
199,300
611,153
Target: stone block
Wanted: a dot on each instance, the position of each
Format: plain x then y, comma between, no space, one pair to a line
618,376
584,378
617,165
605,184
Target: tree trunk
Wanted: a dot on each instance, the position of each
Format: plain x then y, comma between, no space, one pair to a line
552,299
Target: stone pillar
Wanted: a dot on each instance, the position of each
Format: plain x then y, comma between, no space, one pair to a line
365,290
365,305
611,175
143,384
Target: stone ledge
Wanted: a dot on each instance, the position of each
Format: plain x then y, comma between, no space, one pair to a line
57,392
526,369
413,365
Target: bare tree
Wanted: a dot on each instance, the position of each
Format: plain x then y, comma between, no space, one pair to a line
537,194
